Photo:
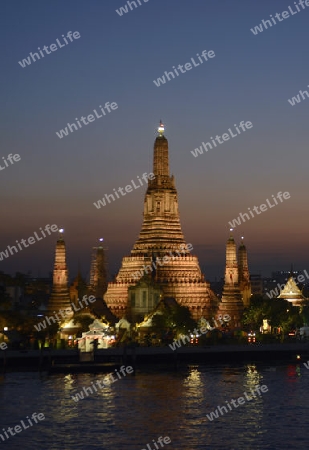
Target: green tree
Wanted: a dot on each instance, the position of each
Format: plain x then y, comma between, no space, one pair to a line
177,318
83,320
278,312
304,312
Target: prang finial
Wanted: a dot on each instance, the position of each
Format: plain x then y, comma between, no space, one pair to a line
61,231
161,129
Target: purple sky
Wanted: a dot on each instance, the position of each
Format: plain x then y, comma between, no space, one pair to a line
116,59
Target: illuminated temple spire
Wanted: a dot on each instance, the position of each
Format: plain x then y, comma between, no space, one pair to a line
60,297
98,275
161,235
160,154
231,302
161,129
161,227
244,276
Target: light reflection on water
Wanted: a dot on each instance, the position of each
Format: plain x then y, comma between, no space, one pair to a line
135,410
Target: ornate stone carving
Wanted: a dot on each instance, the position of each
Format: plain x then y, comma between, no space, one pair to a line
160,236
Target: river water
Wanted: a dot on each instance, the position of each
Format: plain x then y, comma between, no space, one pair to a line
135,410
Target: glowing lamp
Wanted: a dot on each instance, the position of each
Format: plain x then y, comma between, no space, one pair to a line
161,129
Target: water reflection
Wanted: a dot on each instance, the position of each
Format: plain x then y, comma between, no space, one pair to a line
252,377
133,411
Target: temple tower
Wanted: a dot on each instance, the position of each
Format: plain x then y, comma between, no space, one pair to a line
244,275
98,275
161,228
291,291
161,237
60,297
231,302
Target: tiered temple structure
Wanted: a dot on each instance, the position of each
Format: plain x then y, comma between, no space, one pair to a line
244,276
60,297
178,275
98,275
231,303
292,293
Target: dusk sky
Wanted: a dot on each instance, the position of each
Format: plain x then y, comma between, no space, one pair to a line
116,60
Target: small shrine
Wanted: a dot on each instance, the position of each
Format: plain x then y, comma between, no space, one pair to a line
98,336
292,293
